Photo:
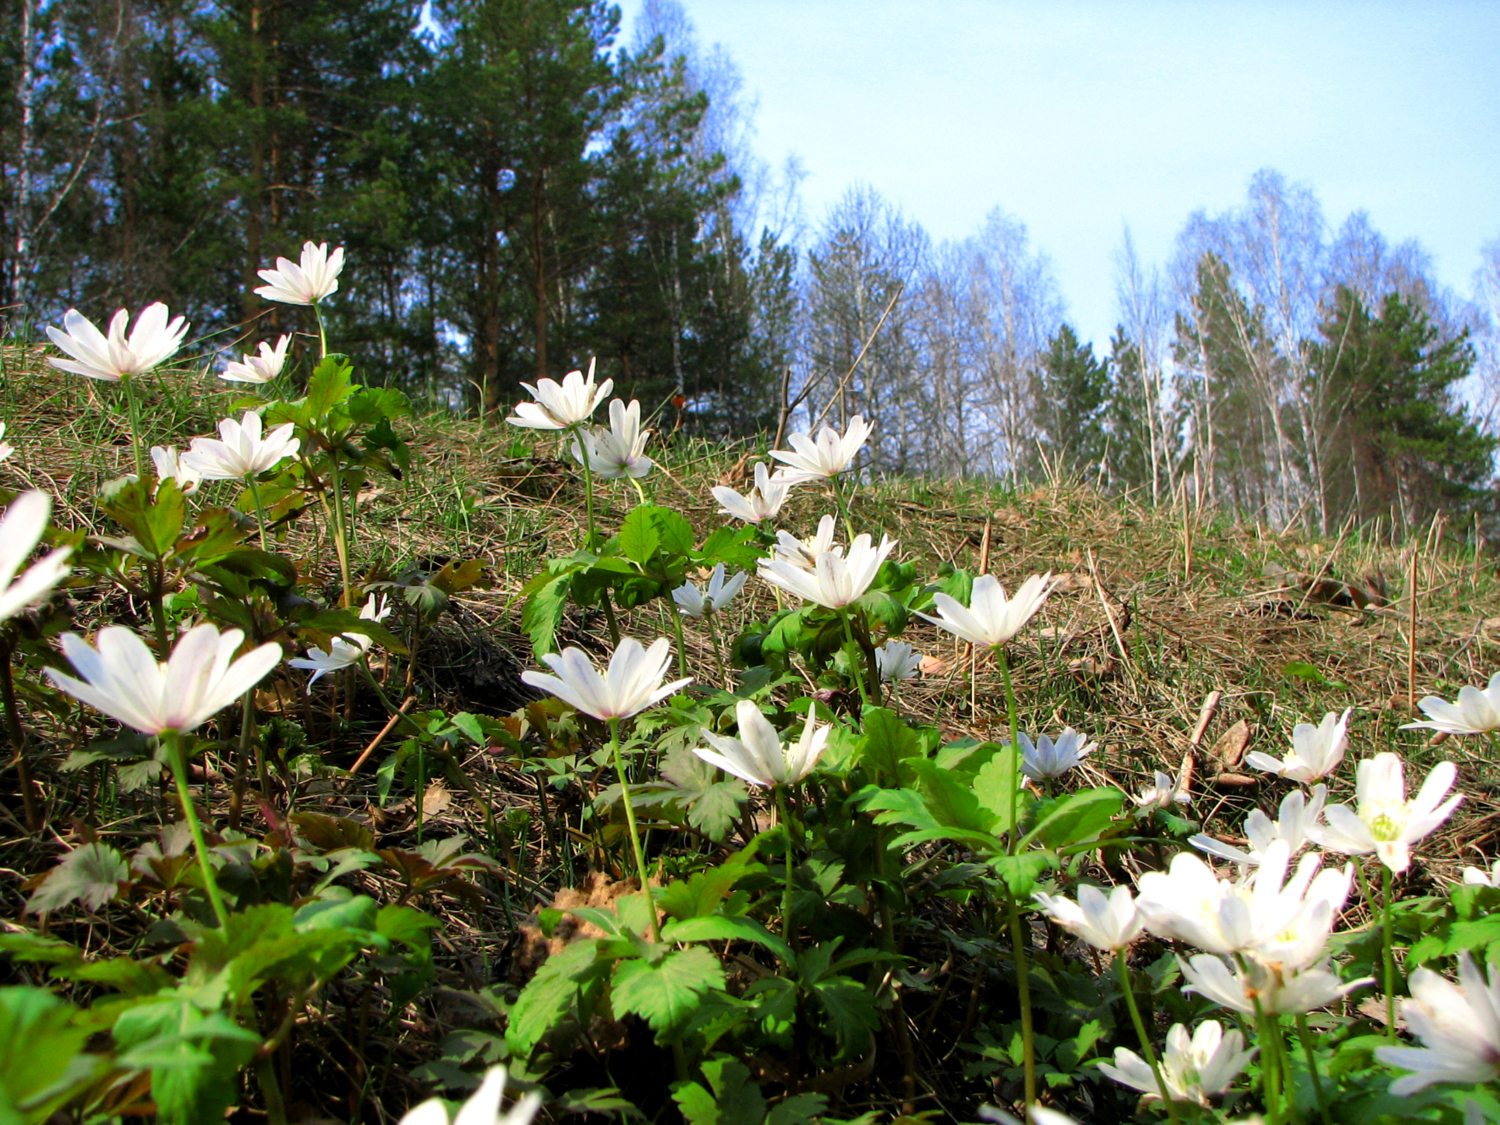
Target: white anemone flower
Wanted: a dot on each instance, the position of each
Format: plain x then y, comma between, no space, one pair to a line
693,602
112,358
1193,1069
827,456
1476,877
803,553
1298,815
620,450
307,282
21,529
1475,711
261,368
631,684
1280,993
1108,923
1035,1114
1316,751
241,452
482,1107
6,449
1162,793
1383,821
758,756
1459,1026
1045,758
763,502
169,466
896,661
345,650
561,406
838,579
123,679
990,619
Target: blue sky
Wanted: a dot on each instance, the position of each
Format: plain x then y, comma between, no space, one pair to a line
1081,117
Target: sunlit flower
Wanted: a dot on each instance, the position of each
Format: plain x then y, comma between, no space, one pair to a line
1383,820
242,452
1298,815
123,679
990,619
838,579
152,341
308,283
1474,712
828,456
1045,758
1192,1069
260,368
632,683
169,466
763,501
345,650
1476,877
20,530
1107,923
1035,1114
803,553
693,602
620,450
1316,751
1280,993
1459,1026
896,661
1162,793
560,407
758,756
482,1108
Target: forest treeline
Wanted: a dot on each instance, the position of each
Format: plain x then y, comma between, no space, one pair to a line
519,187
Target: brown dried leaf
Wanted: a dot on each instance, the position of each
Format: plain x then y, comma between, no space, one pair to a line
1229,749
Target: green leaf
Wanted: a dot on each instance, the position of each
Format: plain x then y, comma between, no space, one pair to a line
724,928
850,1010
551,994
732,1098
700,895
996,786
41,1066
888,743
639,538
1020,872
193,1056
666,993
543,613
949,799
1074,818
153,520
90,874
328,386
711,803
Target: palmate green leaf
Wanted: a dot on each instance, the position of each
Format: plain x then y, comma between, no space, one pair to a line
726,928
701,894
711,802
888,743
543,613
1075,818
950,799
41,1042
666,993
194,1057
90,874
731,1099
330,384
153,520
1021,872
997,786
850,1010
552,993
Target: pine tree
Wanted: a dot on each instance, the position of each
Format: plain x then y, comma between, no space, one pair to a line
1070,391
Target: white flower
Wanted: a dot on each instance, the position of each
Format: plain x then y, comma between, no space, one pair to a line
897,660
1279,993
260,368
1036,1114
838,579
1192,1069
803,553
990,619
1316,751
1161,793
20,530
482,1108
632,683
693,602
123,679
169,466
306,284
763,502
6,449
1105,923
1474,712
152,341
242,452
620,450
1459,1026
1474,877
1384,821
828,456
561,407
758,756
1046,758
345,650
1298,815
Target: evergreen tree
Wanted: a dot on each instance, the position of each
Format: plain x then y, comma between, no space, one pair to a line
1070,390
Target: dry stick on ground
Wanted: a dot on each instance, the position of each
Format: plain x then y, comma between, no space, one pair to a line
1195,740
1110,617
390,725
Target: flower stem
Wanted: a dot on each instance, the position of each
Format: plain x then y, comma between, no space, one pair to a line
588,485
1270,1064
135,428
178,758
260,512
635,836
639,491
1015,745
1305,1037
713,633
1023,990
681,644
1140,1030
786,893
1388,929
340,541
322,336
856,662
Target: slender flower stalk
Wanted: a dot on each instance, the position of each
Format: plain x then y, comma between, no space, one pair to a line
1122,969
635,834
